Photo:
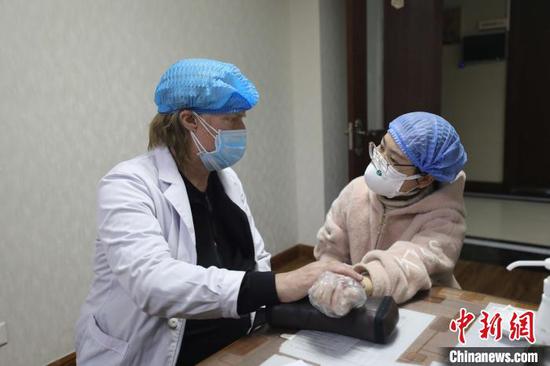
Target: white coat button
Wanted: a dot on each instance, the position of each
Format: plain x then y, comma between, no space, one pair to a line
173,323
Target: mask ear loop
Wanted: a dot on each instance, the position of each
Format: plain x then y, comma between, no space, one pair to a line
198,144
415,189
416,178
211,130
208,129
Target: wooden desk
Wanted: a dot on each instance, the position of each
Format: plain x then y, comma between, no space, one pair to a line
472,275
444,303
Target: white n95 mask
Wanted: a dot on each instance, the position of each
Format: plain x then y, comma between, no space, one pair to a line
383,179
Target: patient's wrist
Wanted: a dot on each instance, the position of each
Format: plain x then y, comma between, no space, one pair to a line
328,258
367,284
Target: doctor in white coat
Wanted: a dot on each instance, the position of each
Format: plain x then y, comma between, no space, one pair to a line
180,268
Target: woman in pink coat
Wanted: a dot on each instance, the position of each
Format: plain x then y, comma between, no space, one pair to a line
402,224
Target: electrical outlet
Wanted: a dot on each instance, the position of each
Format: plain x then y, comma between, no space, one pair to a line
3,333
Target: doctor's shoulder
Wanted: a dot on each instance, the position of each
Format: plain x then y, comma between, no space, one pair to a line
141,168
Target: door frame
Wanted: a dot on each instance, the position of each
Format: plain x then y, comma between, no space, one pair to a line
356,41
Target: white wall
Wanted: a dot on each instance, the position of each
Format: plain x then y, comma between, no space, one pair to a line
76,83
334,96
375,64
473,98
305,89
319,94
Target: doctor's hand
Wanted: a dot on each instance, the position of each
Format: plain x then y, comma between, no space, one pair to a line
335,295
294,285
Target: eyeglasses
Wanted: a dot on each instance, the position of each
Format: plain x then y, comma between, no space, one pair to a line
379,162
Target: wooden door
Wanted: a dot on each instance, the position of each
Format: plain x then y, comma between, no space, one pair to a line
527,136
412,69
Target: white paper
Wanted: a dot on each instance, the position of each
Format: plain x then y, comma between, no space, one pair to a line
278,360
287,336
334,350
297,363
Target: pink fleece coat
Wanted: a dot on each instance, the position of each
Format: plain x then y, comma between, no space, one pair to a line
404,249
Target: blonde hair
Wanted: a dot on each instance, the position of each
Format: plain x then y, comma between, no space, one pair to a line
166,130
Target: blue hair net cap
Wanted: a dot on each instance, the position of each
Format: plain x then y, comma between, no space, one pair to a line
205,86
430,143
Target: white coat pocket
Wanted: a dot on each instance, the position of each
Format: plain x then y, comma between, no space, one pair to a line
99,348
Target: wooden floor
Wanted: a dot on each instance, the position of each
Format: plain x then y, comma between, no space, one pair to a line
519,284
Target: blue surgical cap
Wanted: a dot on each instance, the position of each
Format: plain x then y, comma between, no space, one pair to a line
204,86
430,143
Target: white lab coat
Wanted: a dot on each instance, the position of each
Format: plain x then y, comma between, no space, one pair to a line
146,279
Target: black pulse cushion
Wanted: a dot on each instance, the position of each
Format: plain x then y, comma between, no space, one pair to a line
373,322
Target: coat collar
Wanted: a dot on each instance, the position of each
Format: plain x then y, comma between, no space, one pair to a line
174,189
168,170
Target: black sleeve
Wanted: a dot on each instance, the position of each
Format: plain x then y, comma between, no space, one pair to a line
257,289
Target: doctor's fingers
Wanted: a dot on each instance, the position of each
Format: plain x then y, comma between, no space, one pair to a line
343,269
346,298
331,288
322,291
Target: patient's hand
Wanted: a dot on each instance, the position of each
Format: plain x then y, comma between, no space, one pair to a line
335,294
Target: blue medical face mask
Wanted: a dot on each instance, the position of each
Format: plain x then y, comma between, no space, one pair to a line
230,146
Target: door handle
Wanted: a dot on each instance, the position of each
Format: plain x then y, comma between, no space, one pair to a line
359,137
356,135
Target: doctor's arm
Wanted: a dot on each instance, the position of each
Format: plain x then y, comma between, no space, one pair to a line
290,286
161,285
